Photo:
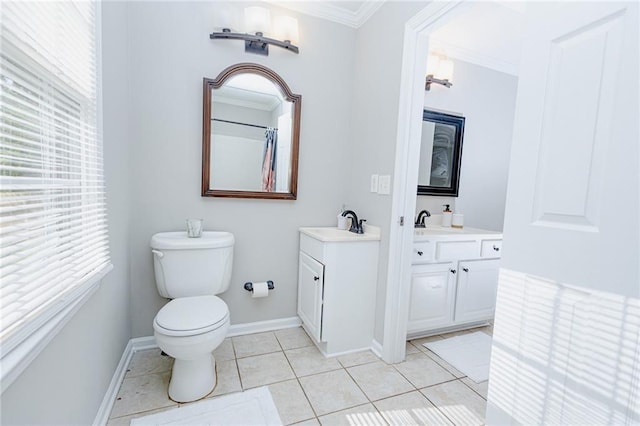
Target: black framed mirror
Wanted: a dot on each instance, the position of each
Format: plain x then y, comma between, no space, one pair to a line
250,134
440,153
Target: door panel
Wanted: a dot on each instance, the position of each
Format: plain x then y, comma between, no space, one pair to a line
476,292
310,292
573,181
432,292
566,344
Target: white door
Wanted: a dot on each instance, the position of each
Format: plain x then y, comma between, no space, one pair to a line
310,293
565,347
476,290
431,299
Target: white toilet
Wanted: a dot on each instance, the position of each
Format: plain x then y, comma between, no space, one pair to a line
191,271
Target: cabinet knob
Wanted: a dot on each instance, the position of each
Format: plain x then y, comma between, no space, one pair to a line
453,271
465,269
496,248
420,253
316,278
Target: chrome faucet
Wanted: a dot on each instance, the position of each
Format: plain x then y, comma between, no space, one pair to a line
420,219
356,226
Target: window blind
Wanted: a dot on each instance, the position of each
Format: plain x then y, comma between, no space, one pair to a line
53,233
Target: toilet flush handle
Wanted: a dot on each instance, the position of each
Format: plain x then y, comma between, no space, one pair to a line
158,253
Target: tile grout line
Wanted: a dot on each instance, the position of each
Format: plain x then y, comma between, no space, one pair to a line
439,410
478,393
455,378
313,410
365,394
173,405
315,416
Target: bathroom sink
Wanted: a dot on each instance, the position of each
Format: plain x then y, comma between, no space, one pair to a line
335,234
436,229
441,230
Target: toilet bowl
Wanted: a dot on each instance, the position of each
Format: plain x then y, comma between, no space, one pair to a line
189,329
191,272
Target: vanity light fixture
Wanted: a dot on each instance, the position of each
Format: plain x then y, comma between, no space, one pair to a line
441,66
258,21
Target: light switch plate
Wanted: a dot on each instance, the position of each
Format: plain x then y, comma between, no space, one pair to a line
374,183
384,185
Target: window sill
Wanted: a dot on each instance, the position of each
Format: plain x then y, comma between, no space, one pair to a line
16,360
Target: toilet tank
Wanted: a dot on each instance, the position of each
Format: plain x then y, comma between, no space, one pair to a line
186,266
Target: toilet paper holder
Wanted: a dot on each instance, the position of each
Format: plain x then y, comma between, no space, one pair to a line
249,286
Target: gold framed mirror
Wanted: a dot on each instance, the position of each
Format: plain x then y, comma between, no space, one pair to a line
250,134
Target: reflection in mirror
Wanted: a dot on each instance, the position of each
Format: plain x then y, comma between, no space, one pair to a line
440,153
250,135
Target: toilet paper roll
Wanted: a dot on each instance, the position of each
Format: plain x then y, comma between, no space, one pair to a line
260,289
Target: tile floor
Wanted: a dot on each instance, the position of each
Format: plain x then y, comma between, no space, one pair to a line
309,389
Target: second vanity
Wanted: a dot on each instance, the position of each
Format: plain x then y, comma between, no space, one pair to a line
454,279
337,279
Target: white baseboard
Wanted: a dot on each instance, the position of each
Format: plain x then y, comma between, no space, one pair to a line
376,347
149,342
261,326
112,391
143,343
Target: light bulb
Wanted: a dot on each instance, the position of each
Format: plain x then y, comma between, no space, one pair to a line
227,17
257,20
286,28
445,69
433,62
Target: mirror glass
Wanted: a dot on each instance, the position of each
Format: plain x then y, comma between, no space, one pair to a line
440,153
250,135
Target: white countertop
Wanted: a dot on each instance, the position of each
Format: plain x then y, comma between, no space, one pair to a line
333,234
421,234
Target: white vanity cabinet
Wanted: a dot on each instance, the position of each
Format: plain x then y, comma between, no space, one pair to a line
454,279
477,286
310,292
337,280
432,295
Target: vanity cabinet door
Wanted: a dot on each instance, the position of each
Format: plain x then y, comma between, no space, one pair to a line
477,287
310,294
432,296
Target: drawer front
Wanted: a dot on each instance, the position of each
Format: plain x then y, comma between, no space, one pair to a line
312,247
447,250
422,252
491,248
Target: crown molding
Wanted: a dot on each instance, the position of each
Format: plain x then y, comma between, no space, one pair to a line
334,13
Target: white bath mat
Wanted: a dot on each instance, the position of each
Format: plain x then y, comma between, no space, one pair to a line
469,353
252,407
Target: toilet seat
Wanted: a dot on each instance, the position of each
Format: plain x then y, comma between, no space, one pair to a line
190,316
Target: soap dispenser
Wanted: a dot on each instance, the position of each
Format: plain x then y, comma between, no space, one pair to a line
446,216
342,221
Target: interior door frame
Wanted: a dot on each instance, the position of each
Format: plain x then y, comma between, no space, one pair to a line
411,100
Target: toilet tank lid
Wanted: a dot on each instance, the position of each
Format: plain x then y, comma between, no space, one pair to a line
180,241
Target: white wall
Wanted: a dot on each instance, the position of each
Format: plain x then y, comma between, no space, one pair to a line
65,384
375,116
169,54
487,100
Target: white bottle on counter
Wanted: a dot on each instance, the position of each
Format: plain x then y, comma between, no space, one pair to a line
457,220
343,222
446,216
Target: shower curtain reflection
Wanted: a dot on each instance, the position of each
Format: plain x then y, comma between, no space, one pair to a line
269,160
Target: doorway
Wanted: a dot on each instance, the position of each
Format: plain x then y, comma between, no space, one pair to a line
438,25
